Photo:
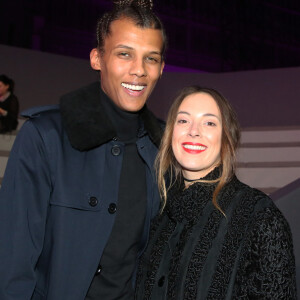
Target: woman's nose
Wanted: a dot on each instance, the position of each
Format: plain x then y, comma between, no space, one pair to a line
194,131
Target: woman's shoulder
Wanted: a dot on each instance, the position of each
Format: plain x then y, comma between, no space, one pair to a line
266,216
260,208
252,195
267,245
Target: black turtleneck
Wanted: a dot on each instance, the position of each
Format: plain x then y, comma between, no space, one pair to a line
119,258
125,123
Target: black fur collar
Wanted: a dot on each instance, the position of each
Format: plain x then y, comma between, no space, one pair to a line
88,126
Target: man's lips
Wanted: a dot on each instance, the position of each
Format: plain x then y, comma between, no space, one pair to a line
193,148
133,87
134,90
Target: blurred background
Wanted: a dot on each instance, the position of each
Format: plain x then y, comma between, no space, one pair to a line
212,36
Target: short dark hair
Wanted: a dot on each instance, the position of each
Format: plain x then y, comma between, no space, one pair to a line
139,11
7,81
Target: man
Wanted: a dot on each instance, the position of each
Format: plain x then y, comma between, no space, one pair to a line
79,189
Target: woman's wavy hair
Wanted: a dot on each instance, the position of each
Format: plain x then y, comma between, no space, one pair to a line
166,163
139,11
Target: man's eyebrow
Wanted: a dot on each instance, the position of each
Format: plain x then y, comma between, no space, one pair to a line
131,48
155,52
123,47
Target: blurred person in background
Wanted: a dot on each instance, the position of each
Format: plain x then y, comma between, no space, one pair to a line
9,105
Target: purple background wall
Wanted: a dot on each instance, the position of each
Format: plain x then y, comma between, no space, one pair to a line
262,98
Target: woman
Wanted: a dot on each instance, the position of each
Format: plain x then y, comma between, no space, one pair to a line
216,237
9,105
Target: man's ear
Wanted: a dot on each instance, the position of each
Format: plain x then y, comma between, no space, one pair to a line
95,59
162,68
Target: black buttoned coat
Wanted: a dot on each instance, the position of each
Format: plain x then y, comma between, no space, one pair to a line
59,193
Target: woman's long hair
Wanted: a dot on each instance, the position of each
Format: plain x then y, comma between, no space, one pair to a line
166,163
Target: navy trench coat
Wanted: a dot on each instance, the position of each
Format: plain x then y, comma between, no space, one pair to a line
54,214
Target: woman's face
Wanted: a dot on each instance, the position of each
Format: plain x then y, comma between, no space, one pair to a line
197,134
3,88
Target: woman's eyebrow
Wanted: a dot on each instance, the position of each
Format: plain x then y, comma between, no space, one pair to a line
211,115
183,112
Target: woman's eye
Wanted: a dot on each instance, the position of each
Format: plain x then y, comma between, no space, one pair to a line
209,123
181,121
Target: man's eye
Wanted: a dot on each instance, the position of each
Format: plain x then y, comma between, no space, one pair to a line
123,54
152,59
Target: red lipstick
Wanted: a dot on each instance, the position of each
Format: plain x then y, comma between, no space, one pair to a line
193,148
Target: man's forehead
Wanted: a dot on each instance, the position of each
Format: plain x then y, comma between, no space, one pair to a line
124,33
126,24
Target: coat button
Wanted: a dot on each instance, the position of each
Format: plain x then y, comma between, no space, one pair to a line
98,270
112,208
161,281
115,150
93,201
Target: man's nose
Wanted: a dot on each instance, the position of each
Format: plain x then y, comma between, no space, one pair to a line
138,68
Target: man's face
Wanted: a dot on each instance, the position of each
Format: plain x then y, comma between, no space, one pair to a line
130,64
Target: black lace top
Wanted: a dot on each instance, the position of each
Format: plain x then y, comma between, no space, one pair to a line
195,252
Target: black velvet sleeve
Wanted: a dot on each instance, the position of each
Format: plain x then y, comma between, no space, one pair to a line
267,266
